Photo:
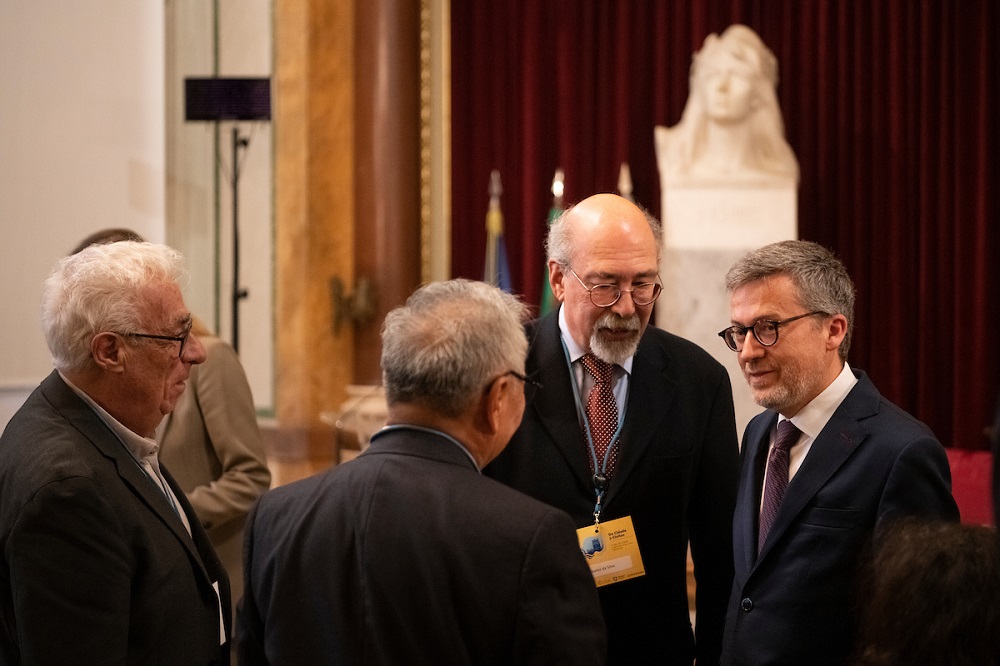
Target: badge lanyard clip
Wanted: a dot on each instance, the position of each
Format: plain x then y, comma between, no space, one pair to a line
600,486
600,478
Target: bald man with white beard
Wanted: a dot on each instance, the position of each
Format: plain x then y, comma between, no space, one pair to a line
670,471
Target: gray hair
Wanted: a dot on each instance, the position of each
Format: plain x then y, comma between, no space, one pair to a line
101,288
821,279
449,341
560,247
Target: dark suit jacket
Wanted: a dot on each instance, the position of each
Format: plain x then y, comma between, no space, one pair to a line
407,555
676,477
97,567
873,462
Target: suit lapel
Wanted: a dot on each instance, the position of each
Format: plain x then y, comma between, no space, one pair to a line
90,425
642,420
555,405
839,439
754,459
557,410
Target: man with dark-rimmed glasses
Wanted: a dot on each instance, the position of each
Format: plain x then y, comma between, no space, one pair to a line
829,463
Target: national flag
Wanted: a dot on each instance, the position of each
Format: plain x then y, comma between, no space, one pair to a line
497,270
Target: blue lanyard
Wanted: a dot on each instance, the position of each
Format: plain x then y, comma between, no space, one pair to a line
600,478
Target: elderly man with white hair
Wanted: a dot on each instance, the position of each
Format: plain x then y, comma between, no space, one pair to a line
104,560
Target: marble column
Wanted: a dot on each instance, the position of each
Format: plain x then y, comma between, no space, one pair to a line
347,201
314,128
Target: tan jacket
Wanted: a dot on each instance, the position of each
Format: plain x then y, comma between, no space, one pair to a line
212,446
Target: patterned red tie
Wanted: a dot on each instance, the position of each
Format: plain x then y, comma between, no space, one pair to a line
602,410
777,478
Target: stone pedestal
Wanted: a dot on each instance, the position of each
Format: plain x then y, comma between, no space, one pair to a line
705,230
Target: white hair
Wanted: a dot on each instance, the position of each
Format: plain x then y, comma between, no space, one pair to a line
101,288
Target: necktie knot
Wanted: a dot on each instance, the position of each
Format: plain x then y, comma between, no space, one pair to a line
788,435
598,369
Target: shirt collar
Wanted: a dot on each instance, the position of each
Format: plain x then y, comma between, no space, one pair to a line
812,418
140,447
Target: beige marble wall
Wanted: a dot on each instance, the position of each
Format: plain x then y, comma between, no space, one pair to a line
314,212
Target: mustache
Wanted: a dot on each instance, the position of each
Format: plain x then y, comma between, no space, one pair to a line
615,322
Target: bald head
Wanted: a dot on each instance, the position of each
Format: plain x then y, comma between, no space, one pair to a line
604,240
605,218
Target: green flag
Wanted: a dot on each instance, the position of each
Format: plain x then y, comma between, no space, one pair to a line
547,302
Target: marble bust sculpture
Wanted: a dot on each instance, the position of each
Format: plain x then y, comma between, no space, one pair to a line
731,131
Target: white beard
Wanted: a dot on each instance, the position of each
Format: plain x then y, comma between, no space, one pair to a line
615,351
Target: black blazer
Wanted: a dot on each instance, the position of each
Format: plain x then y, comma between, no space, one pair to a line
407,555
872,462
97,567
676,477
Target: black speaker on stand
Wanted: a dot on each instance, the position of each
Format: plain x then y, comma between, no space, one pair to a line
218,99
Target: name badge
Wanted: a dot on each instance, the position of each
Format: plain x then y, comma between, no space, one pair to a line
612,551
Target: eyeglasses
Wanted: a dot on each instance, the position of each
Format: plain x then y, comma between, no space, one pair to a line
181,339
531,386
764,330
606,295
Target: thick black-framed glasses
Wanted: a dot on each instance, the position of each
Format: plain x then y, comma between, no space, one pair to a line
181,339
531,386
764,330
606,295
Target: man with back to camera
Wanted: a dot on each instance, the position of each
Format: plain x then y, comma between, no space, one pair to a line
104,560
823,469
407,554
668,475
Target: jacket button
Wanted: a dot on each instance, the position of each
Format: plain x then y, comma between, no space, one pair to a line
747,604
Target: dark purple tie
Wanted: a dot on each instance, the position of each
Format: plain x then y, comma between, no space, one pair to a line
777,478
602,410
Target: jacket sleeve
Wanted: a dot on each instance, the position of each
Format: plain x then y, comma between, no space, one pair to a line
919,484
713,501
70,575
559,619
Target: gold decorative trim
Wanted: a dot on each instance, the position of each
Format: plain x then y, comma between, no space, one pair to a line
435,140
426,113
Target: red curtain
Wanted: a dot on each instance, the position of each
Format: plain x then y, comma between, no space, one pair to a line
890,105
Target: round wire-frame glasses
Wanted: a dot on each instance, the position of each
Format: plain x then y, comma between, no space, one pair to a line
606,295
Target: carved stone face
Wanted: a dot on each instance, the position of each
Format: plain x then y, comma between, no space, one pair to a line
727,86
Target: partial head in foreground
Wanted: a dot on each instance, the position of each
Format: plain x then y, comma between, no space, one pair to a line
931,595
